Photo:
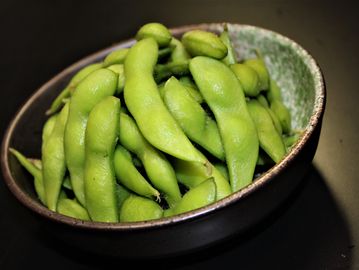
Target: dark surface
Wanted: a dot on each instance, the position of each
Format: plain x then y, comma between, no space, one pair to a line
316,229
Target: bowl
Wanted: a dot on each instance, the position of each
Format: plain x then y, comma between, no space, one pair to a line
301,80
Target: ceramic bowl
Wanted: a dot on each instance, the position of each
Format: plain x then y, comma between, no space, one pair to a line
303,90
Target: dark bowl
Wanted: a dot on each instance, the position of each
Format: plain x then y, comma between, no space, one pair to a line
303,87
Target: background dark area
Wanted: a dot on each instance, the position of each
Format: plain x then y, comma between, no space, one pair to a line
316,229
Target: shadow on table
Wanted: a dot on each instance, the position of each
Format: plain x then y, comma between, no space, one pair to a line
307,232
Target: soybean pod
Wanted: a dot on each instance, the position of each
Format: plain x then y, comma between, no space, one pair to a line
224,95
98,85
99,176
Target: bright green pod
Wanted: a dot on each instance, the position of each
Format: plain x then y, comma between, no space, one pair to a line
179,52
283,114
259,66
224,95
34,171
128,175
122,194
222,168
192,118
204,43
248,78
200,196
99,175
47,128
164,71
157,31
191,88
274,92
231,57
136,208
66,93
143,100
269,138
264,102
157,167
115,57
53,160
71,208
119,69
192,174
95,87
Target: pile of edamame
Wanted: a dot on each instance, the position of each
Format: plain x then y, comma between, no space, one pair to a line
158,129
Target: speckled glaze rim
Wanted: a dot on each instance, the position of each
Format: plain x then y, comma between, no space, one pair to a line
266,178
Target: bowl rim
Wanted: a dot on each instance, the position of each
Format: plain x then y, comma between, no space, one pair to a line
264,179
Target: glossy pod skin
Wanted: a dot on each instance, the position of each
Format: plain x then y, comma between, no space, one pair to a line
224,95
100,84
157,167
188,232
143,100
99,175
136,208
157,31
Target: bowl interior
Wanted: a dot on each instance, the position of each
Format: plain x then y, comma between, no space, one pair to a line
289,65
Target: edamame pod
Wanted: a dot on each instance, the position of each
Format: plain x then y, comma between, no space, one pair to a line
290,140
248,78
274,92
199,42
231,57
259,66
269,139
263,101
98,85
191,88
66,93
179,52
72,208
283,115
222,168
115,57
157,167
129,176
122,194
136,208
223,93
192,118
34,171
200,196
146,106
53,160
157,31
192,174
99,176
118,69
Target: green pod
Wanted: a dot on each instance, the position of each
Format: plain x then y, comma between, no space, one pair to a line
34,171
129,176
72,208
47,128
66,93
67,183
269,138
192,174
99,176
191,88
199,42
274,92
120,71
200,196
143,100
179,52
122,194
222,168
231,57
157,167
290,140
98,85
164,71
157,31
248,78
259,66
53,160
115,57
283,114
136,208
223,93
192,118
264,102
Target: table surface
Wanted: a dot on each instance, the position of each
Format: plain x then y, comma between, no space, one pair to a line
316,229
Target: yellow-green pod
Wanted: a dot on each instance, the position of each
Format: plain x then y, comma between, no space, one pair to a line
259,66
157,31
71,208
119,69
248,78
136,208
115,57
